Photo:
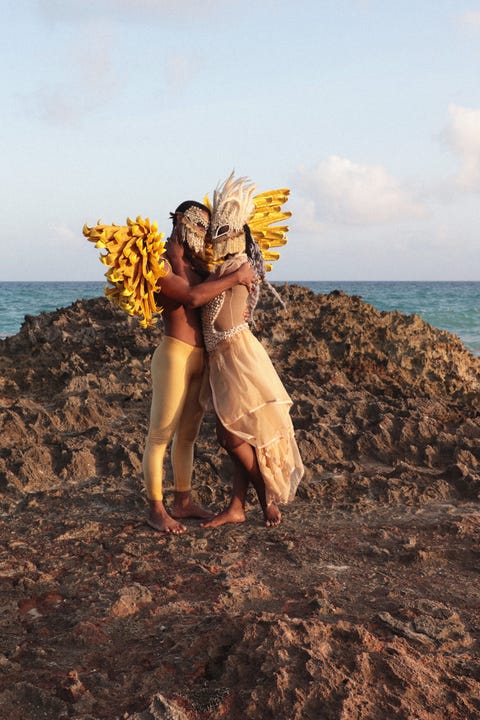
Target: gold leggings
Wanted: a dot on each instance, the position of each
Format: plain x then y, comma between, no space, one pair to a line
177,373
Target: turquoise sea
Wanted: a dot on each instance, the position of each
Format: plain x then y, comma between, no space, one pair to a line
452,306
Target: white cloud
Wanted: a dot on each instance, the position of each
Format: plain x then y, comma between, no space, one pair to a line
181,70
344,192
56,106
463,136
127,9
471,19
61,233
304,216
89,81
92,76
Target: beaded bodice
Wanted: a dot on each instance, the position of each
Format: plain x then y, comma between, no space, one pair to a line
224,316
212,336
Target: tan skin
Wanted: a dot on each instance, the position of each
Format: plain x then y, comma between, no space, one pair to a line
180,297
245,470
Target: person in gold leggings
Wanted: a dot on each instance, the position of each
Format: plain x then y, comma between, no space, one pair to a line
178,368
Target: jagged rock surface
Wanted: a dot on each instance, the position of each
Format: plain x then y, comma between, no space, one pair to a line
362,604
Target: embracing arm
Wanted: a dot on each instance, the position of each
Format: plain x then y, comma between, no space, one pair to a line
177,287
176,254
194,296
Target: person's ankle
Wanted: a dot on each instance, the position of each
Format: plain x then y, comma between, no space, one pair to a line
181,498
157,507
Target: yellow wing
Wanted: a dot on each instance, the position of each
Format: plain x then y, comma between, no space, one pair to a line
268,211
133,255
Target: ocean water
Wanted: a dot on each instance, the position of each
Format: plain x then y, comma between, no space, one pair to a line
452,306
18,299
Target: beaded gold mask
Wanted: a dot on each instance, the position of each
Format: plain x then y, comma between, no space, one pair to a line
195,223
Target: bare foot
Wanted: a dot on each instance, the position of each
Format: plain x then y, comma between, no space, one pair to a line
166,525
229,515
190,509
272,515
160,520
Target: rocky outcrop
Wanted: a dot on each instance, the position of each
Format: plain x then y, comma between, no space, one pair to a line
361,604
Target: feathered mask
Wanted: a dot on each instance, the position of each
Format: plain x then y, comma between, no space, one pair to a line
194,225
233,207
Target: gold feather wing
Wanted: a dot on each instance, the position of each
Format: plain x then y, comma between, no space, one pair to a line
262,224
133,256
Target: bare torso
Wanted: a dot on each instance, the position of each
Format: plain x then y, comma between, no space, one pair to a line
181,322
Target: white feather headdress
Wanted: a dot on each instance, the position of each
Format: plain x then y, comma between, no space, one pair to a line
233,207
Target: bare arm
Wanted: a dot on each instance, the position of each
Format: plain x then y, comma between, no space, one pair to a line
193,296
176,254
177,287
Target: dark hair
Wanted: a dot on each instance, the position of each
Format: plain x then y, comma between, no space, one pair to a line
255,256
184,206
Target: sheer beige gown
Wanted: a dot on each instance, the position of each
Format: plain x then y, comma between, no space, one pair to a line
246,392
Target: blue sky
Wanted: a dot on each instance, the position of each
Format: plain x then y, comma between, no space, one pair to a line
369,110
